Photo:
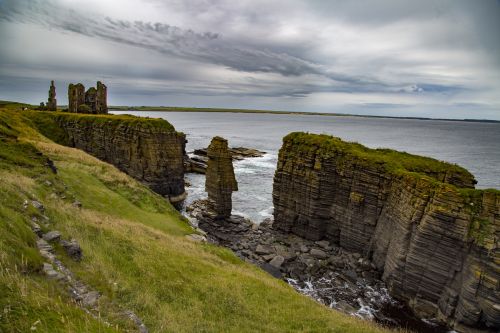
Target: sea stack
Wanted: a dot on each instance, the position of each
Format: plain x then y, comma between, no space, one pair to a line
220,180
51,101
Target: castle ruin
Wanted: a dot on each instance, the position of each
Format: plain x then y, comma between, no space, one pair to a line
92,101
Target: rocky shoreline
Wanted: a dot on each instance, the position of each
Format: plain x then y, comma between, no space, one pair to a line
335,277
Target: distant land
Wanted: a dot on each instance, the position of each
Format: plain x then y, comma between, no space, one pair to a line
194,109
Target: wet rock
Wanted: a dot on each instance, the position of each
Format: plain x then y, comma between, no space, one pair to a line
237,153
264,249
72,248
52,236
268,257
345,307
323,244
277,261
266,223
350,275
319,254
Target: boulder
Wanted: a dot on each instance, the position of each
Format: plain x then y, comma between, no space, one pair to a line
277,261
72,248
318,254
264,249
51,236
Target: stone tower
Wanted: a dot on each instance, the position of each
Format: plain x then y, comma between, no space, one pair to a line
220,180
52,101
76,97
101,98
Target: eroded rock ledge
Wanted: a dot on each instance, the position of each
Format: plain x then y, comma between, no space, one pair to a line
150,150
431,235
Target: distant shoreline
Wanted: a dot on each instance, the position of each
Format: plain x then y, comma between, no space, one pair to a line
301,113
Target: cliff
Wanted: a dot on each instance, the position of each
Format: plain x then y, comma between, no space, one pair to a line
149,150
421,222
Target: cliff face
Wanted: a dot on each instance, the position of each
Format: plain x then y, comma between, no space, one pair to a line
432,235
150,150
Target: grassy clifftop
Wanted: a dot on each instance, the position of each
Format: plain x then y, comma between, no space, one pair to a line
391,160
135,253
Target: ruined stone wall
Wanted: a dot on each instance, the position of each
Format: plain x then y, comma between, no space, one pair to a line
76,97
432,235
150,150
94,100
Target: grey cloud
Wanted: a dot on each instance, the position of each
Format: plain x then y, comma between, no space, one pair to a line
185,43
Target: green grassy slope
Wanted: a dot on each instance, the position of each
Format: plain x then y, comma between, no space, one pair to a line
135,253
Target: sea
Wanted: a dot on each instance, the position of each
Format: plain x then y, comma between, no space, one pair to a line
473,145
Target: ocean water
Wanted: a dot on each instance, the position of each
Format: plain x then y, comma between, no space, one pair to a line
473,145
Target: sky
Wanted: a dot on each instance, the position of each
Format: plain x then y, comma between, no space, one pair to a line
426,58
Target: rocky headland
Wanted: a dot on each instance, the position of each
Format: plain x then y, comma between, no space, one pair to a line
150,150
433,238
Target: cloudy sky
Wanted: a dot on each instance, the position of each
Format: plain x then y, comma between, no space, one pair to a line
399,58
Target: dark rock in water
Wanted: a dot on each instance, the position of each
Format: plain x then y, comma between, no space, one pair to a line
198,163
220,180
431,235
237,153
52,236
72,248
195,165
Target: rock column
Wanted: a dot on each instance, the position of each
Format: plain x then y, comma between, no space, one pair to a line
220,180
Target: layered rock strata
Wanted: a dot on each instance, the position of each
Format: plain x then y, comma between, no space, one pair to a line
150,150
431,235
220,180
